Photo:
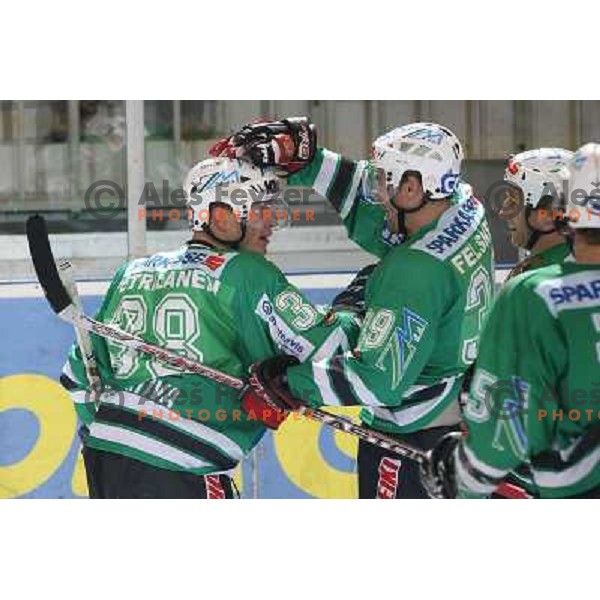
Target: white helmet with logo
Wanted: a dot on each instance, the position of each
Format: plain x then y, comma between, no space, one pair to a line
538,173
233,182
430,149
583,198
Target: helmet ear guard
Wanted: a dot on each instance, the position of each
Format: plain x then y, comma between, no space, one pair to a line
534,233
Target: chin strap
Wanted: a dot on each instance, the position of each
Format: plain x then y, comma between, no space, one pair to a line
233,245
425,199
534,234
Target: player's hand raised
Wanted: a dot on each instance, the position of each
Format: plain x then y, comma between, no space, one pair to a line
289,144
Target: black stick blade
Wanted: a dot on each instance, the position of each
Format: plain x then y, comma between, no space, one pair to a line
45,267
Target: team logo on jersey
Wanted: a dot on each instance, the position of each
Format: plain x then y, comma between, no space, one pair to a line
454,229
579,290
389,237
511,425
281,333
214,261
403,344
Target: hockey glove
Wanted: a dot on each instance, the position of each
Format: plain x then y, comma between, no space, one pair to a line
438,474
290,144
352,299
267,395
224,147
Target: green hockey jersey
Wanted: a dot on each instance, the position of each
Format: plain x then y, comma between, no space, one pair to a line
545,258
551,256
535,395
223,308
427,301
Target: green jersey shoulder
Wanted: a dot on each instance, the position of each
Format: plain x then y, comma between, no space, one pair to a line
535,390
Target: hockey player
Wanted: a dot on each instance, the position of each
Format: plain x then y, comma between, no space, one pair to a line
159,432
535,179
425,302
535,184
534,397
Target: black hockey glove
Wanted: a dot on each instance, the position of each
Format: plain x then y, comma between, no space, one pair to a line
267,395
438,474
352,299
289,144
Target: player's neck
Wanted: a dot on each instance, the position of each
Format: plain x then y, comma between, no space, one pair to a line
585,253
200,237
545,242
432,211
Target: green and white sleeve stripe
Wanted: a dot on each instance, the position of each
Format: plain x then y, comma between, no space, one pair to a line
473,475
570,471
556,474
74,380
420,406
334,177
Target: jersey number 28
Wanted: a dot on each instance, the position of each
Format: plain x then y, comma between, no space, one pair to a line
175,325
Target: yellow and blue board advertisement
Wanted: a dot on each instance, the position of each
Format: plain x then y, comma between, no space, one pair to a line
39,446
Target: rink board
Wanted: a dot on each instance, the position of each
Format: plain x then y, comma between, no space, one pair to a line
39,447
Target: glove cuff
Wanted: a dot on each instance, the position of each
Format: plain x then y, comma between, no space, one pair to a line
254,408
269,381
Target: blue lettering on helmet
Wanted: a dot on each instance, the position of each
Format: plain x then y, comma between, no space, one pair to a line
449,181
212,181
427,135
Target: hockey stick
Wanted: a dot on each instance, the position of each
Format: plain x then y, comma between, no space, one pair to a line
64,307
66,273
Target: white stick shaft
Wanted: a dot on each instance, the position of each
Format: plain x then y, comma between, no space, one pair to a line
67,276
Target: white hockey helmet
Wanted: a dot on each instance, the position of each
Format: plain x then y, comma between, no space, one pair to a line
233,182
538,173
583,198
431,149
